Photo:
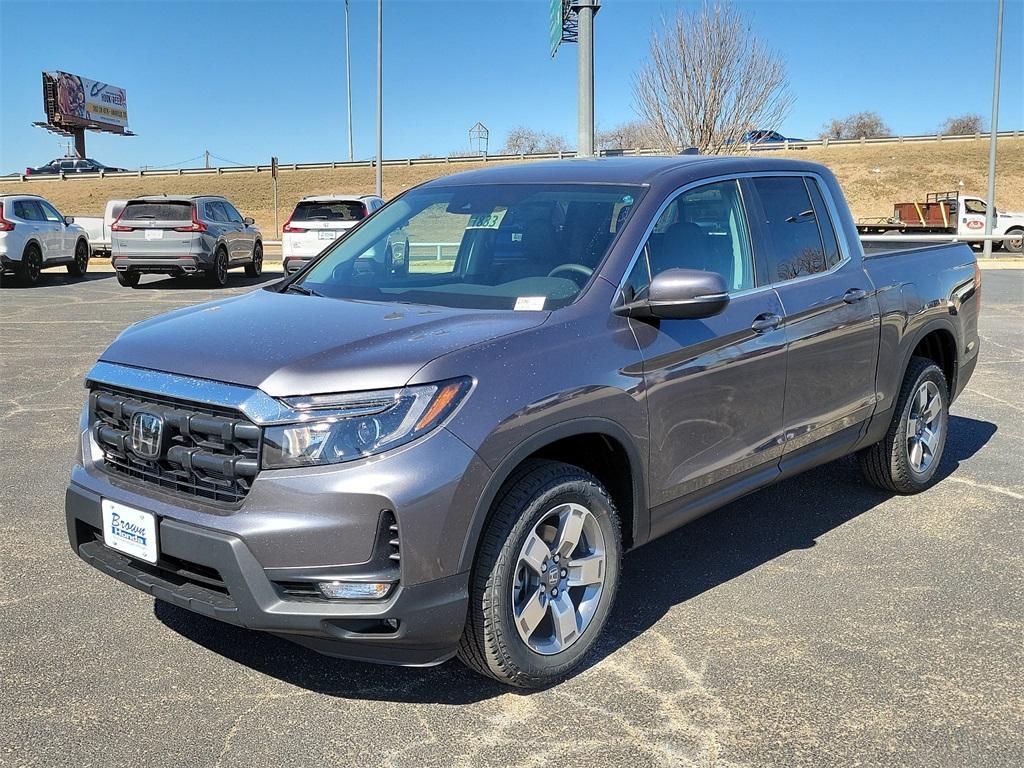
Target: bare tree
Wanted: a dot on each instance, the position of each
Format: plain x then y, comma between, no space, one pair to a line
708,80
862,125
963,125
524,141
636,134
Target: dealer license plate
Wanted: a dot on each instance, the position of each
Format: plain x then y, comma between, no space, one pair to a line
129,530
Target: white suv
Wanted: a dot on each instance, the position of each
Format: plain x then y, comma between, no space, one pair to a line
317,221
35,236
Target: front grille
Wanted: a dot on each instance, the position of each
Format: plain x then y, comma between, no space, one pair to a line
206,452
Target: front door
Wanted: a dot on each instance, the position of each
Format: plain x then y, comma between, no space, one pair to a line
830,311
714,386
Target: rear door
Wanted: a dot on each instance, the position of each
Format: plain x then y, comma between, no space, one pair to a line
32,222
240,237
715,386
830,315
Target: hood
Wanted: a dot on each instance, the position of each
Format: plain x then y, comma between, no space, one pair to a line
290,344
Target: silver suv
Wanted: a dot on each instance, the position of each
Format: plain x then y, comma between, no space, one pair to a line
183,235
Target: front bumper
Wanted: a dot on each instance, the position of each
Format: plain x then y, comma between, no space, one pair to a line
215,574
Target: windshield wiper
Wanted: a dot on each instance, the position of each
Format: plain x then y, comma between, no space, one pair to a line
298,288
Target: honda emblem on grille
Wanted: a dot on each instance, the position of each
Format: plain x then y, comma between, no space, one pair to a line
147,435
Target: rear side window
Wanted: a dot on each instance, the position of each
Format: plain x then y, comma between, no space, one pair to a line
335,210
215,211
796,247
157,211
28,210
825,227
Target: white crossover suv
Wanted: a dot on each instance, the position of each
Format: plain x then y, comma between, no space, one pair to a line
34,236
318,221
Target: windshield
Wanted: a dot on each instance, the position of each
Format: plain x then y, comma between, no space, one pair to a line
483,246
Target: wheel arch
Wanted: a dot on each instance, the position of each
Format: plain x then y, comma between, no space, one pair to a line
30,242
596,445
937,341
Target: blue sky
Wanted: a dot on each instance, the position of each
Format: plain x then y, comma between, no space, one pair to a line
250,79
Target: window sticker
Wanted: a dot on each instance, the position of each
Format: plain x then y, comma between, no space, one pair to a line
490,220
530,303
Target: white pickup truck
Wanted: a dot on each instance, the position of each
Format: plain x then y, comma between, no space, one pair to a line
951,213
97,228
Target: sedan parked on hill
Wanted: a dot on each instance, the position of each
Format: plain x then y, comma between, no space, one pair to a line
767,140
318,221
72,165
184,235
34,236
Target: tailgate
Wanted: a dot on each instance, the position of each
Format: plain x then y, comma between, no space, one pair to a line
153,230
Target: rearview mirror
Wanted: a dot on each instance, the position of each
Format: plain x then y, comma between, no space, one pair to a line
69,219
680,294
249,221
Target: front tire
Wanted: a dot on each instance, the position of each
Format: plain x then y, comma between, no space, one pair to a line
545,576
907,459
81,263
255,267
217,274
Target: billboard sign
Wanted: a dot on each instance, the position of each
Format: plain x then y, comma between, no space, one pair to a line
73,101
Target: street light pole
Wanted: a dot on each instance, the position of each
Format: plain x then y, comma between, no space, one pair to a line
380,97
990,207
348,82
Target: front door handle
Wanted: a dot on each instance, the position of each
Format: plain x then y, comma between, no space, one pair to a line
854,295
766,322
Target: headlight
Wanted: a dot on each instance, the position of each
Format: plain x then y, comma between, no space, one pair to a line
331,429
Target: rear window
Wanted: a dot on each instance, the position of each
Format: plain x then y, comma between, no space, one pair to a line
335,210
158,211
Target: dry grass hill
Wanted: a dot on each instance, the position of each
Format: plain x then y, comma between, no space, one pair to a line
873,176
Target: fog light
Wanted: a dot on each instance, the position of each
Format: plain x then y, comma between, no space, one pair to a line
352,590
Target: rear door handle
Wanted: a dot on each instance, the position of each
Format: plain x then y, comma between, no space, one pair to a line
764,323
854,295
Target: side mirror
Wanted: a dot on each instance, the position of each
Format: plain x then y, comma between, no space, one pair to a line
69,219
249,221
680,294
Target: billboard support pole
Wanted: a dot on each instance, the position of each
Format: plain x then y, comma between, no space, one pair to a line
585,10
79,134
991,203
273,175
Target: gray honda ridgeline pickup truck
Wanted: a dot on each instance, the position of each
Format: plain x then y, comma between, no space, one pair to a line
401,454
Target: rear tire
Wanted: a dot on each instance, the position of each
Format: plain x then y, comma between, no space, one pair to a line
538,601
255,267
31,265
217,275
81,263
1015,245
129,279
907,459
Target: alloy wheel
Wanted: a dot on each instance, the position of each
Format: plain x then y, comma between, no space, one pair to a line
924,426
559,578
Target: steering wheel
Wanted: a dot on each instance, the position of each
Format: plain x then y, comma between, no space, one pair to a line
580,268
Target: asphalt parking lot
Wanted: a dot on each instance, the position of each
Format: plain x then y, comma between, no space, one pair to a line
817,622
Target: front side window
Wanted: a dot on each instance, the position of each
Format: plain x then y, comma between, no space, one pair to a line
485,246
49,212
703,228
796,248
231,212
975,206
